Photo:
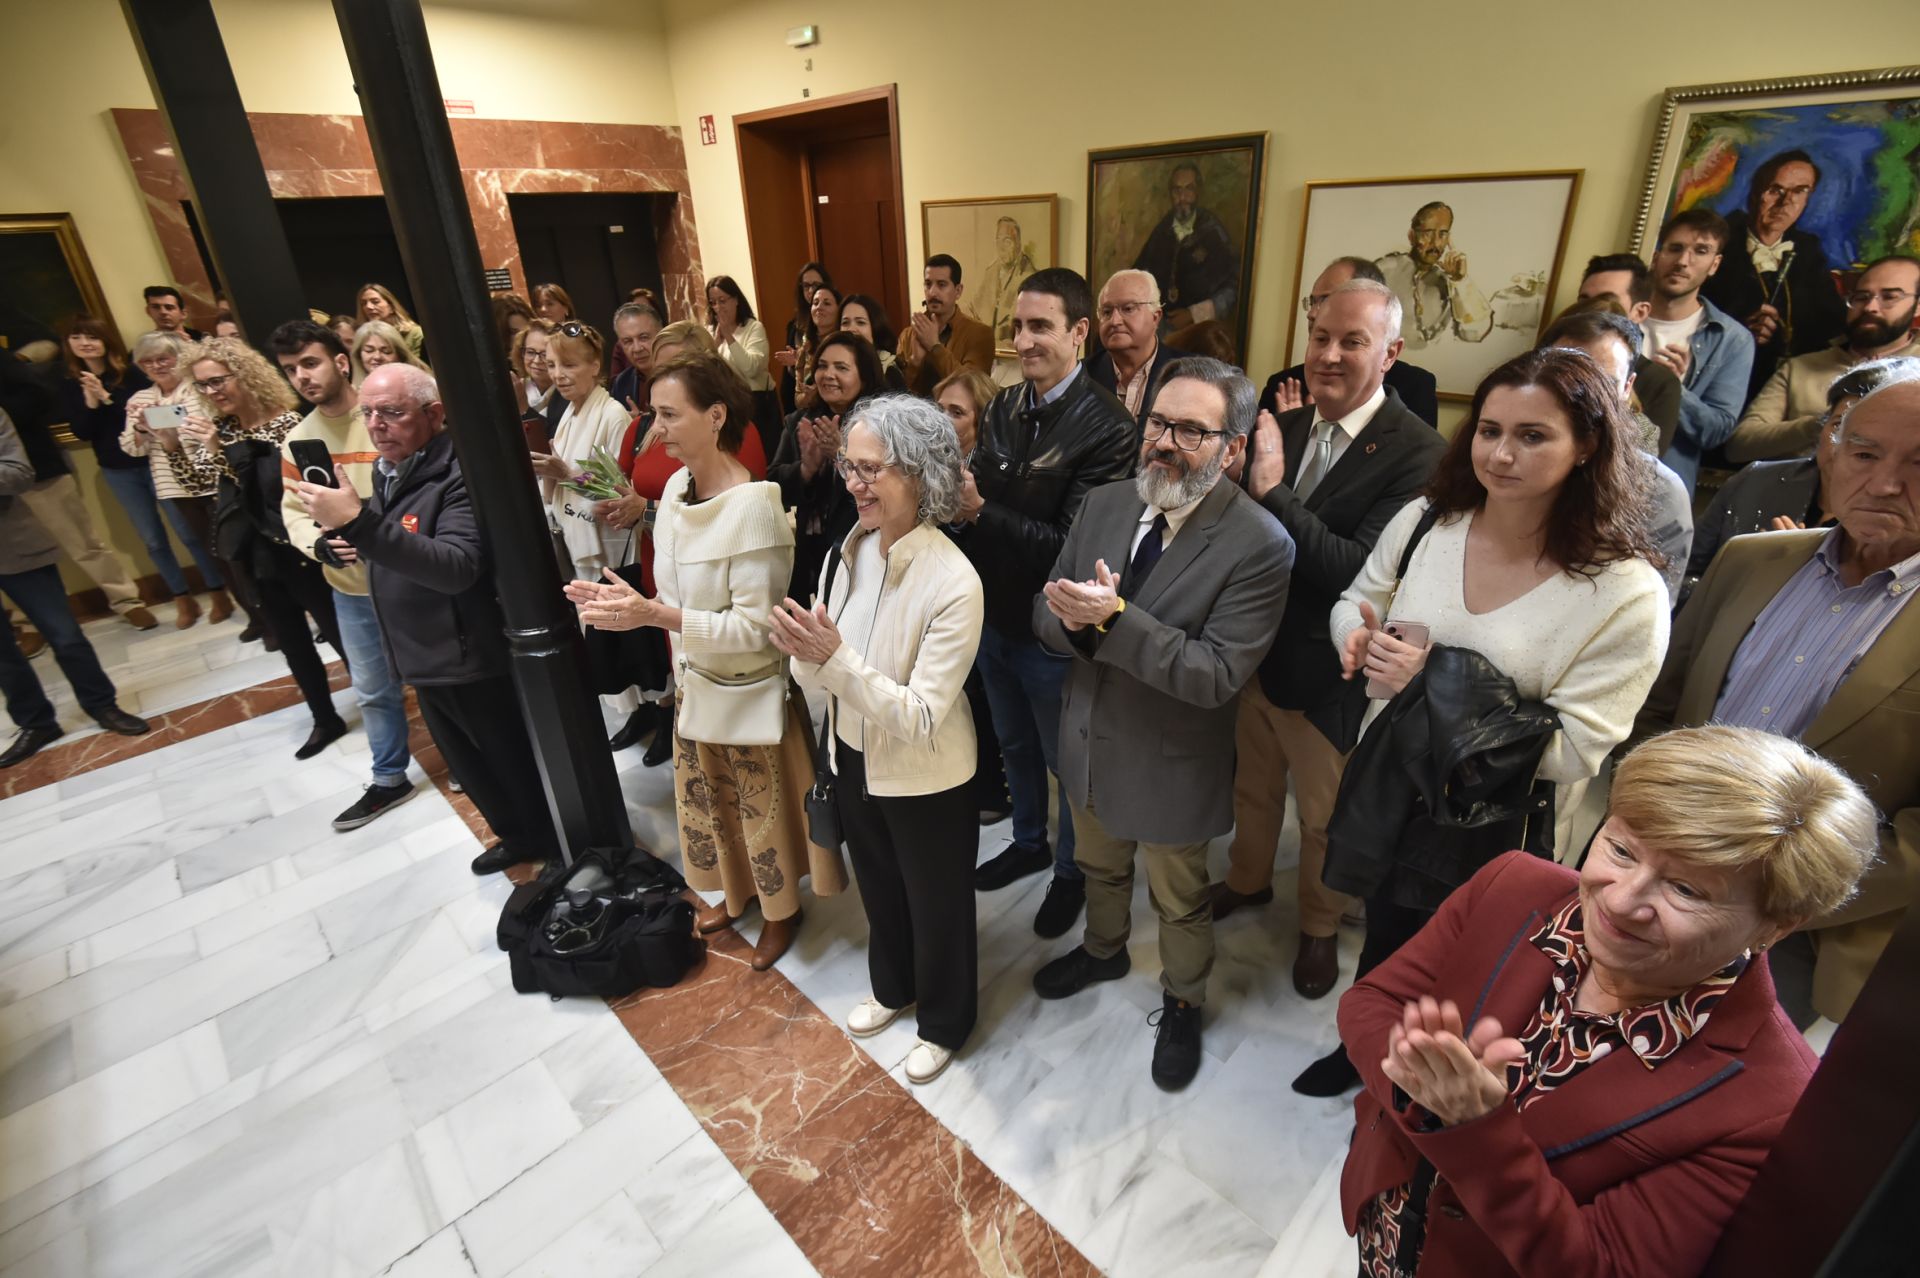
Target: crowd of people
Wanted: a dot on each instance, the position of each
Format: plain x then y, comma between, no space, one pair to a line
1124,600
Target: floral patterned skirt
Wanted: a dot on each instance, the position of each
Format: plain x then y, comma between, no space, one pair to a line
743,820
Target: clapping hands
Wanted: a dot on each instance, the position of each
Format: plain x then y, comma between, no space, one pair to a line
1455,1076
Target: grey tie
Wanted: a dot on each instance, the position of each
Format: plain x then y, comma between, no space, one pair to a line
1318,462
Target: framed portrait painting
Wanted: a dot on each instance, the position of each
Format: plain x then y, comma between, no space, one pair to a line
1474,260
1188,213
46,282
998,240
1859,132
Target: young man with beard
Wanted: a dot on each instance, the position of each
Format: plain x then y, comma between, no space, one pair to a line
317,365
1706,348
1784,418
1160,647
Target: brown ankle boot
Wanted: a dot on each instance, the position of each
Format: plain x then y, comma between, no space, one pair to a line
776,936
712,918
186,611
219,606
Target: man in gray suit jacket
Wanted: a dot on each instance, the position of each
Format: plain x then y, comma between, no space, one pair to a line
1161,649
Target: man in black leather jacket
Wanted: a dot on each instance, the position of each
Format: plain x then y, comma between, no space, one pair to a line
440,620
1043,445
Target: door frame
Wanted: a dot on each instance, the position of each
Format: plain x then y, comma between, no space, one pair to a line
792,123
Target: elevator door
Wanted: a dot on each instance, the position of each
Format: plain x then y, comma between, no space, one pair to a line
596,246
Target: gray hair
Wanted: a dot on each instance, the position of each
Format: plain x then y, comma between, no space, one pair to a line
1242,400
1864,379
158,342
417,385
637,310
1153,285
1389,302
1894,370
920,440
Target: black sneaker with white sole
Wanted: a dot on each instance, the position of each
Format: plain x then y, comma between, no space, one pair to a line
377,799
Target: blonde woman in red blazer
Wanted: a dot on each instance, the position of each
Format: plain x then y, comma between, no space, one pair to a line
1580,1075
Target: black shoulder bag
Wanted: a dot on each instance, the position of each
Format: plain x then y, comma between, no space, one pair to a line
823,818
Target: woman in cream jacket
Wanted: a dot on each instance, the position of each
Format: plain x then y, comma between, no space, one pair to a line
891,644
722,552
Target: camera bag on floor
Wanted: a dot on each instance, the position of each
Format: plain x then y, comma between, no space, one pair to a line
605,926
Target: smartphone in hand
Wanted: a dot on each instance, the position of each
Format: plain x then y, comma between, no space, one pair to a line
313,461
1413,632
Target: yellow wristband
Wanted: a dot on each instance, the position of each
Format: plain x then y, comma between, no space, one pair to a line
1119,606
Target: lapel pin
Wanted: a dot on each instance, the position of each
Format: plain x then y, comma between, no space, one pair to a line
1370,448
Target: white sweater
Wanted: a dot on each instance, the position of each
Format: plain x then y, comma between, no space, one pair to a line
597,422
1587,646
724,563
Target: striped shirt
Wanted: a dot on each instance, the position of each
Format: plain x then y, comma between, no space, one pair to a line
1808,639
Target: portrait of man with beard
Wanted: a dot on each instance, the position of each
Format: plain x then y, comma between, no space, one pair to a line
1430,278
1192,257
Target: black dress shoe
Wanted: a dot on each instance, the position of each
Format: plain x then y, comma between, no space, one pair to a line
1065,898
1077,969
253,633
499,857
1016,862
1331,1075
323,735
1316,968
1176,1047
634,731
1225,900
114,719
659,750
27,743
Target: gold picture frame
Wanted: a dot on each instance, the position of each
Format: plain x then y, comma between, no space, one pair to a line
968,230
1519,221
49,281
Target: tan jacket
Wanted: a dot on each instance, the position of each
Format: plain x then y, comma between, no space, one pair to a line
917,732
969,344
1871,728
1784,418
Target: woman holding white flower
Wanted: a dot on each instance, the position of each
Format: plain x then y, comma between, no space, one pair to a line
592,420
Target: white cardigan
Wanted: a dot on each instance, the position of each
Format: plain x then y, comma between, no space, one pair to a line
598,421
747,350
1590,647
724,563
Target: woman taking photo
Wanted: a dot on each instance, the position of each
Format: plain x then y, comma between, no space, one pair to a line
741,341
812,276
1540,562
245,411
377,302
531,359
1628,1066
185,498
864,316
890,645
846,370
723,553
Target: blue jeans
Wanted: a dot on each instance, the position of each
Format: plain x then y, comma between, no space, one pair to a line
383,708
1024,683
43,597
133,487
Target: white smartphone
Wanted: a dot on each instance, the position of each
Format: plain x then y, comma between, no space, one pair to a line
1413,632
165,416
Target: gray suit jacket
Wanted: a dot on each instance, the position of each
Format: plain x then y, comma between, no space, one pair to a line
1146,720
24,543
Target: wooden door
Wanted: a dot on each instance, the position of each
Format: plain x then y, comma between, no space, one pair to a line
856,218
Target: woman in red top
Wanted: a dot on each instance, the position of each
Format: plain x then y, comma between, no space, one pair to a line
640,658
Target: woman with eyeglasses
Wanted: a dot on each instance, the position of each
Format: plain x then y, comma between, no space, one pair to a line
845,371
890,645
377,303
531,359
742,342
742,757
811,276
243,411
186,500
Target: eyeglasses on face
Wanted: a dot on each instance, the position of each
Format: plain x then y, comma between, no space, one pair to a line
1126,309
868,473
1314,301
1187,436
1887,297
157,363
389,413
212,384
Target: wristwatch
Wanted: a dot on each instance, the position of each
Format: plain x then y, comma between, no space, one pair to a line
1119,606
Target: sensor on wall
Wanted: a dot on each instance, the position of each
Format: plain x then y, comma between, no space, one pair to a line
802,37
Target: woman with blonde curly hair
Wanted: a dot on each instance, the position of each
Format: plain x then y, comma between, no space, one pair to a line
377,343
377,302
243,411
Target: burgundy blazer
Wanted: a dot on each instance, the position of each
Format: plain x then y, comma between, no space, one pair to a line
1624,1170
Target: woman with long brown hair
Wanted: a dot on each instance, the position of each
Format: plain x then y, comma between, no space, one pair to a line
552,303
377,302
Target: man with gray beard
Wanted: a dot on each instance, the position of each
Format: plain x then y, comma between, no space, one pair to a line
1161,646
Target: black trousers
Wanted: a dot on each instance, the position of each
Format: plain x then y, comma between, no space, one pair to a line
296,590
913,859
989,772
483,737
1389,927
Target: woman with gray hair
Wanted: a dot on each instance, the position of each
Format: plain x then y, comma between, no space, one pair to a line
890,644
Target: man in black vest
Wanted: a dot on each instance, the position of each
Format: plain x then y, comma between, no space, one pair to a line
1334,473
1044,444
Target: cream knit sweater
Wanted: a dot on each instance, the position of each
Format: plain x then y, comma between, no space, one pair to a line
724,563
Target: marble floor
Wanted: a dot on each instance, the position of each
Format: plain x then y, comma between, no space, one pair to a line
233,1041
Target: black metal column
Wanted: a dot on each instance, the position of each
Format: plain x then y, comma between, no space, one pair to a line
399,92
186,63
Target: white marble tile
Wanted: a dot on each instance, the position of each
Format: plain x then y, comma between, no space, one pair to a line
360,1222
609,1242
479,1145
1315,1243
179,916
68,998
599,1069
753,1240
441,1256
1150,1230
55,926
300,898
105,824
401,897
676,1193
445,1065
24,980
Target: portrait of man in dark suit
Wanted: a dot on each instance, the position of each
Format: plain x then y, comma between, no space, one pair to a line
1192,257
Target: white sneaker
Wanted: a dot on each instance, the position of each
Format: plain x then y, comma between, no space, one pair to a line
871,1017
927,1061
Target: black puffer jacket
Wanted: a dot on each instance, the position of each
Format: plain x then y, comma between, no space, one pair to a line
1034,468
427,570
1442,782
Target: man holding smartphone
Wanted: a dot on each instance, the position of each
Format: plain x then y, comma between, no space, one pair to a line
331,446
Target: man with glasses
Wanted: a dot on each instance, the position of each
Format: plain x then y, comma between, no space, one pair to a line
1785,416
1773,277
1131,354
316,363
1165,597
1286,389
1332,473
440,620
